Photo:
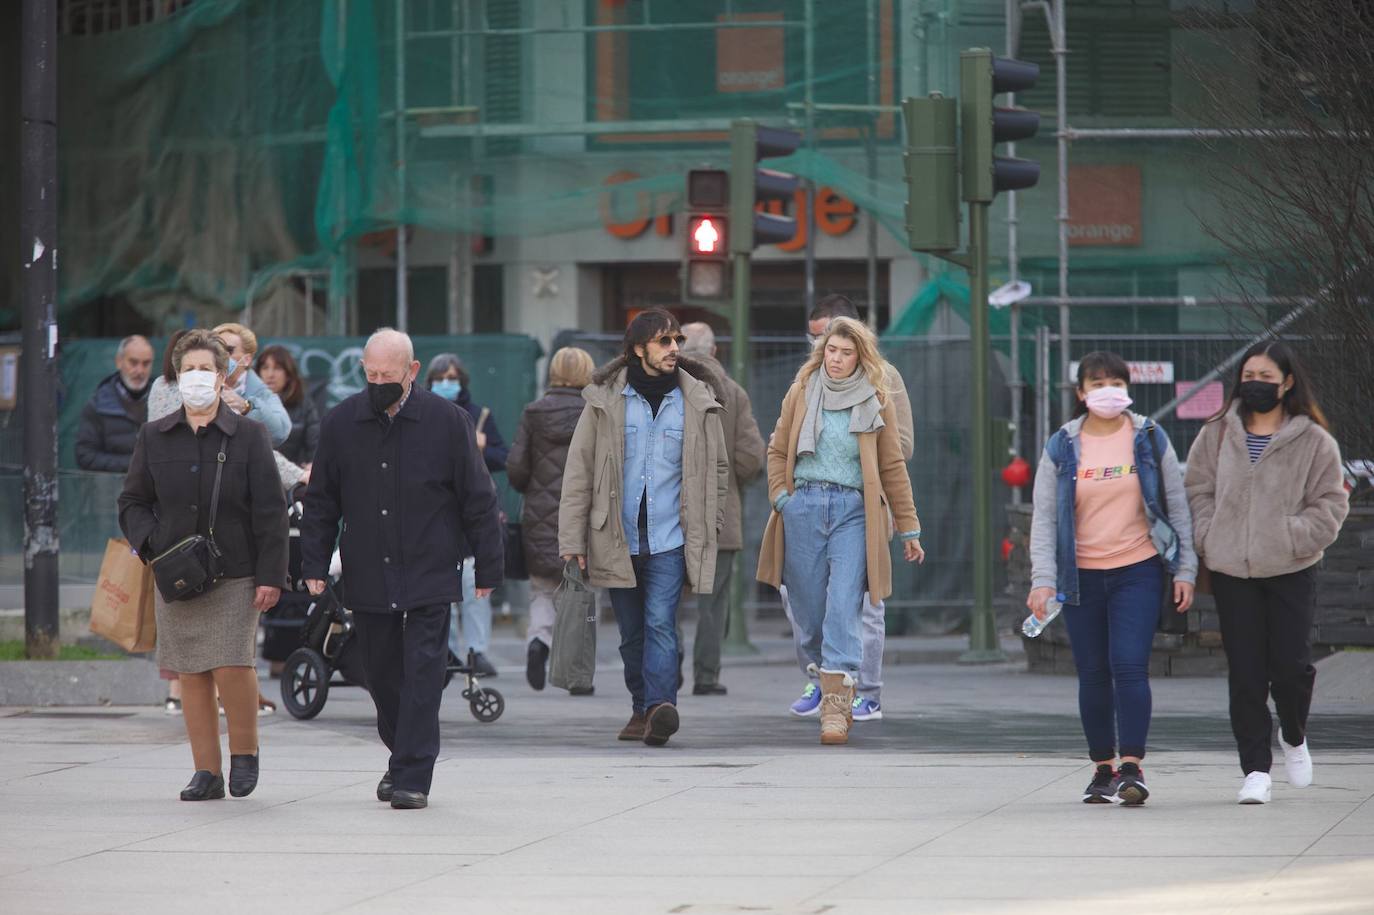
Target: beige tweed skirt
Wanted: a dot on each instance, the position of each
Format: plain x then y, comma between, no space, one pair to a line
216,629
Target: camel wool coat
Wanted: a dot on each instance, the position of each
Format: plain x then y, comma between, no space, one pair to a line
887,490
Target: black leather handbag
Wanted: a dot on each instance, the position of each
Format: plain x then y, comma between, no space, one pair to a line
193,565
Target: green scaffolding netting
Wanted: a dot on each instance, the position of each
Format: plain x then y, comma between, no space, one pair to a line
208,156
238,141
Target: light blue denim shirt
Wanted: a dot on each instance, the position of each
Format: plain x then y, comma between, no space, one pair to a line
653,468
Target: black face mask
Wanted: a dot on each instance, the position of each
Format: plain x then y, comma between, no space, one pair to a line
1259,396
382,396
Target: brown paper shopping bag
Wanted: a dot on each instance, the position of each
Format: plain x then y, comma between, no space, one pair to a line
122,608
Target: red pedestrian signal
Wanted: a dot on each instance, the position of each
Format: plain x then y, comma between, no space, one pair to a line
706,236
706,267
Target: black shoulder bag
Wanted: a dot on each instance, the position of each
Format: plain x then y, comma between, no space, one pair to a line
194,565
1170,620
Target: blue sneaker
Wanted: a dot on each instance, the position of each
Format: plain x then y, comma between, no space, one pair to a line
866,709
809,705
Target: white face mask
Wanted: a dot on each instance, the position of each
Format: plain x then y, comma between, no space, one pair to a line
198,388
1107,403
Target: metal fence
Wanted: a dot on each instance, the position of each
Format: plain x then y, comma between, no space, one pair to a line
937,595
933,597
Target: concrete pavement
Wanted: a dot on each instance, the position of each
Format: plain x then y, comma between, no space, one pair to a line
964,799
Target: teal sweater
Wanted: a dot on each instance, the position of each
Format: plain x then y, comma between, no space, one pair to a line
837,454
836,461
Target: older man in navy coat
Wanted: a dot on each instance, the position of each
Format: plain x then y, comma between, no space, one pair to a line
400,468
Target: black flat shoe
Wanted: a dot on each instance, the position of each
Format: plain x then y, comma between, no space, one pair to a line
386,788
243,774
409,800
708,689
536,664
204,786
582,691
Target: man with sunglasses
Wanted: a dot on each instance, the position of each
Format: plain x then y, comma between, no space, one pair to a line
643,504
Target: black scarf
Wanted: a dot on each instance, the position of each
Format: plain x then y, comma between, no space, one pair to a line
652,388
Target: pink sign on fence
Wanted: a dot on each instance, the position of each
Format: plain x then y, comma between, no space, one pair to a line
1202,404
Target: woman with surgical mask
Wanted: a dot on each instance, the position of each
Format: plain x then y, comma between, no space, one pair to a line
1101,545
449,378
210,639
1266,487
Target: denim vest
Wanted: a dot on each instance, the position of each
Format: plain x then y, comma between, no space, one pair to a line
1064,449
653,468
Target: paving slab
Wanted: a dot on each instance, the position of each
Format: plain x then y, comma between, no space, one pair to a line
964,799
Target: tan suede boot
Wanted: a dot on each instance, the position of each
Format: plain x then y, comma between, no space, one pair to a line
837,703
634,729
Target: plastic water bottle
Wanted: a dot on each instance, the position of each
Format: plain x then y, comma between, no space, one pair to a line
1032,627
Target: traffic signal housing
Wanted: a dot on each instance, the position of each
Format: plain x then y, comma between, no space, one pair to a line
983,125
705,274
751,185
932,173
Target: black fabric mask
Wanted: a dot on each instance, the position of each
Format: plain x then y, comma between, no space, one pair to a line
382,396
1259,396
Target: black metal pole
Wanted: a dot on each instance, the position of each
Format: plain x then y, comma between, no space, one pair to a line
38,387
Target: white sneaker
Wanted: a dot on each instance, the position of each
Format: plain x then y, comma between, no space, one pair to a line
1298,762
1256,788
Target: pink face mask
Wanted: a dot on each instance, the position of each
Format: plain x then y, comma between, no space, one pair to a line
1107,403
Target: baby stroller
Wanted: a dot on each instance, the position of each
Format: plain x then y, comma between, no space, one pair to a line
328,647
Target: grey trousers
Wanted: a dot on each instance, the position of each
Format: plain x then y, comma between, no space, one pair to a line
713,612
874,637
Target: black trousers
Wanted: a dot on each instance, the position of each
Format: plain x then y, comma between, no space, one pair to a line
1266,627
405,656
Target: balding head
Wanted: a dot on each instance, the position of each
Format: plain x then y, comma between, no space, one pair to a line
389,357
134,361
389,344
701,340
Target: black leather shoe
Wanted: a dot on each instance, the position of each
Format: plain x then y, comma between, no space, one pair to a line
243,774
385,788
204,786
536,662
409,800
582,691
708,689
481,666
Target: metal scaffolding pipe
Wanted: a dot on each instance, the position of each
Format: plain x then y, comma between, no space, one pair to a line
591,29
1184,301
1061,93
402,267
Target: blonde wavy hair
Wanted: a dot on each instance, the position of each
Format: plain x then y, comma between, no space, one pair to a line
871,361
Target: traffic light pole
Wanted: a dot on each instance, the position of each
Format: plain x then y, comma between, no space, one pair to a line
38,387
983,642
737,635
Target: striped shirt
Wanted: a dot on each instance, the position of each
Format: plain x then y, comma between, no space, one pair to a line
1256,444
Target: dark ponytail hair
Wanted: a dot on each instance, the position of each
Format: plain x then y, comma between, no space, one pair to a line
1100,364
1301,399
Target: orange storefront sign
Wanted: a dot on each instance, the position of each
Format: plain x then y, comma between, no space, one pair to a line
1104,205
624,218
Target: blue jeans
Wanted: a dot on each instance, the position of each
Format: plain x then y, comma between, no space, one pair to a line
1111,630
647,617
476,617
825,565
